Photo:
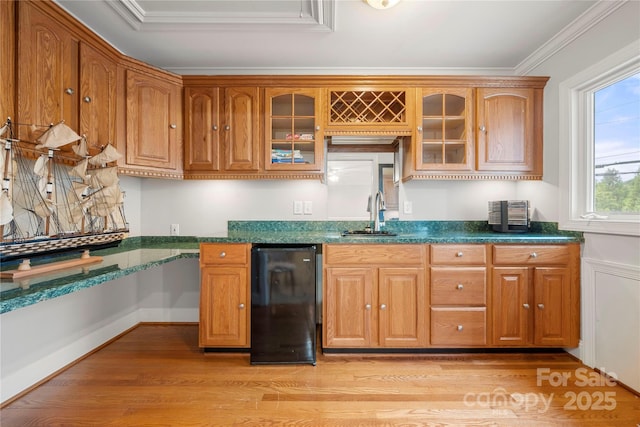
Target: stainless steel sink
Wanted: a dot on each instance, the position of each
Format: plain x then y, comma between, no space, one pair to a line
367,233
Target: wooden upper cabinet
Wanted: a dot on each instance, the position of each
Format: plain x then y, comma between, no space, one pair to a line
293,137
97,98
48,73
360,110
508,129
445,130
7,59
222,129
241,129
202,129
153,122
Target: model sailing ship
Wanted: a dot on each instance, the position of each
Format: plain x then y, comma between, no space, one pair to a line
47,206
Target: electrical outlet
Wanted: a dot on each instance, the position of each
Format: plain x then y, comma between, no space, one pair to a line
308,207
297,207
175,229
408,207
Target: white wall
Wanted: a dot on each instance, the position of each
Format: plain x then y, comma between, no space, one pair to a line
610,283
202,208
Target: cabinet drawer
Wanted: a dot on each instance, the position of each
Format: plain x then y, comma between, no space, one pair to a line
396,255
458,286
458,254
224,253
530,254
453,327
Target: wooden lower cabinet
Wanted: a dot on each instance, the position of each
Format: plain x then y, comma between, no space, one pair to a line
225,295
536,304
368,304
470,295
458,295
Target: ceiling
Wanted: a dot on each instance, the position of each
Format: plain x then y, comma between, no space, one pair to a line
339,36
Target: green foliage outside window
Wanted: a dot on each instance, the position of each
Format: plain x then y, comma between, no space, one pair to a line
614,195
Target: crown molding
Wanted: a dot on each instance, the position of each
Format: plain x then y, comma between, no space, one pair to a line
313,15
368,71
575,29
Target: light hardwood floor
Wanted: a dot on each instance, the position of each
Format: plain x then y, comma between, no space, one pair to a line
155,375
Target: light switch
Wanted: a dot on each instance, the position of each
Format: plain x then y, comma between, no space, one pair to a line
308,207
297,207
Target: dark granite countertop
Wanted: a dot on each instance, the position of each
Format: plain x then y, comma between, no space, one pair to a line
140,253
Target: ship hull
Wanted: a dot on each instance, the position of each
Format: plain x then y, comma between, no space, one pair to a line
46,246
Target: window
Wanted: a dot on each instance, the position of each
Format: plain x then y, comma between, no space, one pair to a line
600,146
616,143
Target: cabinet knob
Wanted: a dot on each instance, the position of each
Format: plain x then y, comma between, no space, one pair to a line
214,127
534,255
383,306
540,306
525,305
241,306
318,127
69,91
483,129
459,254
459,328
87,99
227,127
419,128
367,307
223,254
173,126
460,286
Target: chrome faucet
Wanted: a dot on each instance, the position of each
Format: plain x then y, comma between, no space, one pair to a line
378,206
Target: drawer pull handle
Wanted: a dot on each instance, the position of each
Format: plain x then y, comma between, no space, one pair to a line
367,307
241,306
525,305
459,328
223,254
383,306
534,255
460,286
541,306
459,254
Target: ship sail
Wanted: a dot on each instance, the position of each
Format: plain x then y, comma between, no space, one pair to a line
80,170
107,155
6,209
81,148
57,136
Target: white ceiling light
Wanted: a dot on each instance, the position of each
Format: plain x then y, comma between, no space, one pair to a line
382,4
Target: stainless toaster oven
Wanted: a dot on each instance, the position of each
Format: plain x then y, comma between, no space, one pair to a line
509,216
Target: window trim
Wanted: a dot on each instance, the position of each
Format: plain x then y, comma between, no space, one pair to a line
576,157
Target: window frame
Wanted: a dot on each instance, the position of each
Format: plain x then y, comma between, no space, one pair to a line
576,143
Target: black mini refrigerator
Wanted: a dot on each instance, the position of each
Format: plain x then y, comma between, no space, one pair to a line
283,304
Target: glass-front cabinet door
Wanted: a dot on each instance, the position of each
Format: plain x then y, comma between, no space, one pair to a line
293,132
445,134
